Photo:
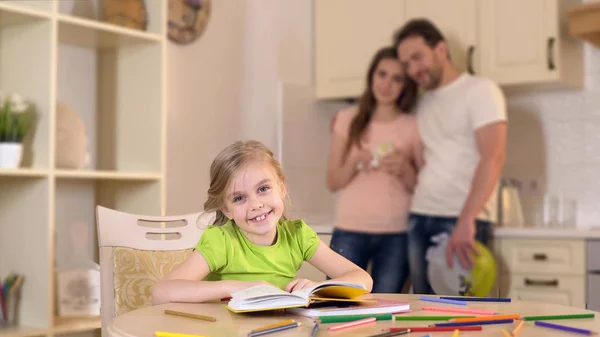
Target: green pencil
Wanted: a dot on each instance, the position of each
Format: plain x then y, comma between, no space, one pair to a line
428,318
546,318
349,318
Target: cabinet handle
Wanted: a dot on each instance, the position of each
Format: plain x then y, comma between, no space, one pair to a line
541,283
470,52
540,257
550,50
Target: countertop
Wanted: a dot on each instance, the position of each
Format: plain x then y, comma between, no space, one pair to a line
505,232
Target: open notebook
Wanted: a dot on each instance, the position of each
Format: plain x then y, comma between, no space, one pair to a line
265,297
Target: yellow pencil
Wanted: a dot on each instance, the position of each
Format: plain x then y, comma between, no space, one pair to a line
174,334
188,315
505,333
275,325
456,333
518,328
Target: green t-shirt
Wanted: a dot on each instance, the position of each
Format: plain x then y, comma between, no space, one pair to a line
231,256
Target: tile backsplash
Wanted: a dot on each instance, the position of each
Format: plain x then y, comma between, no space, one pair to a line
553,144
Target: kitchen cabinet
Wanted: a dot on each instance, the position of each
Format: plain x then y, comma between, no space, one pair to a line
513,42
347,33
459,29
527,43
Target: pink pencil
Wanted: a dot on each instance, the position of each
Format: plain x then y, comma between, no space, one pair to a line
460,310
351,324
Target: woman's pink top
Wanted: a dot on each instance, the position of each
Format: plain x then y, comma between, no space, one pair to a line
376,201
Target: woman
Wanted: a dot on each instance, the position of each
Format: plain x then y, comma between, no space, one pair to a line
374,194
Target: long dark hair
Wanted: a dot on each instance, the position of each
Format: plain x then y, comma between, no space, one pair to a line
367,103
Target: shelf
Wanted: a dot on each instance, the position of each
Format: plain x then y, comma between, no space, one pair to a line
13,15
106,175
22,332
23,172
94,34
71,325
584,22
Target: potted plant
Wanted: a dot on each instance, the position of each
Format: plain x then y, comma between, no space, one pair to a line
16,120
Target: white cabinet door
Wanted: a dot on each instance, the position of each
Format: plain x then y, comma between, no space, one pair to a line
347,33
522,42
457,20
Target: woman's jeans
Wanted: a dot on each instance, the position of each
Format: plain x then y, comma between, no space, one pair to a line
388,253
421,228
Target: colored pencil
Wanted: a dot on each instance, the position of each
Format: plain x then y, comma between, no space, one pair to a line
518,328
276,329
456,333
475,299
428,318
442,300
485,318
392,333
174,334
565,328
348,318
438,328
497,321
352,324
315,330
505,333
553,317
271,326
188,315
460,310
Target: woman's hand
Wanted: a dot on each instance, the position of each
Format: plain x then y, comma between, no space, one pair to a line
299,284
395,163
361,158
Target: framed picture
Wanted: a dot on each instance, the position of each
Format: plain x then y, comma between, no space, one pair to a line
187,20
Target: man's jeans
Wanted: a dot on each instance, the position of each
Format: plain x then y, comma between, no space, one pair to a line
388,253
421,228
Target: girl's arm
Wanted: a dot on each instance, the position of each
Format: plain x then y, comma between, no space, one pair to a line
184,283
339,268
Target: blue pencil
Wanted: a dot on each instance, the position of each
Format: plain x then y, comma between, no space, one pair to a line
442,300
564,328
476,299
497,321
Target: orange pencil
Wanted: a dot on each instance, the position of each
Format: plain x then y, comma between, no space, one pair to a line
518,328
485,318
351,324
275,325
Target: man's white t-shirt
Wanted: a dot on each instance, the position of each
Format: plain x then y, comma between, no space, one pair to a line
448,118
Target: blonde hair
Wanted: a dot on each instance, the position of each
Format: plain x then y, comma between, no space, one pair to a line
227,163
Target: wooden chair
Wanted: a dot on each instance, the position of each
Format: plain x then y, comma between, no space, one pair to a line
136,251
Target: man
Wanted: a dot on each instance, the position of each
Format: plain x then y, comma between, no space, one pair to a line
462,123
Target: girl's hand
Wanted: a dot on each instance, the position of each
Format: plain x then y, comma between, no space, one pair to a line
233,286
299,284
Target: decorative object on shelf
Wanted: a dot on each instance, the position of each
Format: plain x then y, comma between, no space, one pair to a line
72,141
187,20
10,298
16,121
79,278
126,13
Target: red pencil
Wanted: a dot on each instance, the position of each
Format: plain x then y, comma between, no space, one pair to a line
438,328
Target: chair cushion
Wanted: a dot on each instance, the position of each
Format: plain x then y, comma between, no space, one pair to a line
137,271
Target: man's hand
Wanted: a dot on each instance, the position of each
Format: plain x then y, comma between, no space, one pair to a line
462,243
298,284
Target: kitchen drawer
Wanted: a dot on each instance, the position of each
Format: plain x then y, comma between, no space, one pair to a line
553,257
563,290
593,255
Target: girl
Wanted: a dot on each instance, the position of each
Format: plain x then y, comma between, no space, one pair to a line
251,241
374,197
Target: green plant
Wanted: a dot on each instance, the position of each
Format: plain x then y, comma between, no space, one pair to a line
16,118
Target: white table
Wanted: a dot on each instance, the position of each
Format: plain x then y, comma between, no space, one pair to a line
144,322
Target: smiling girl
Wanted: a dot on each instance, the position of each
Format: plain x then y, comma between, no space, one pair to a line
251,241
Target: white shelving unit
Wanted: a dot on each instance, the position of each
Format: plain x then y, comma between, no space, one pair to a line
114,77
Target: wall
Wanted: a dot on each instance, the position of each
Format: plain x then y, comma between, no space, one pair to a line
204,98
554,141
